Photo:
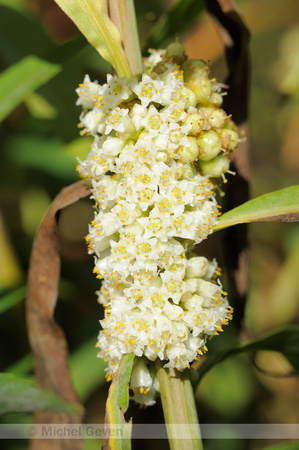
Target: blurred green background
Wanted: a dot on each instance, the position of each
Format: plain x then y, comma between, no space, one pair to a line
39,145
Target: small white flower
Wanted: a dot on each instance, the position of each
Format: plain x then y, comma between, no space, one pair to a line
114,92
155,122
117,120
148,90
87,92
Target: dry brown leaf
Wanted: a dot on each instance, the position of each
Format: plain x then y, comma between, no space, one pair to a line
47,340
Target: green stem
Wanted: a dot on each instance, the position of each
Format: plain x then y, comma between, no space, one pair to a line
179,408
122,14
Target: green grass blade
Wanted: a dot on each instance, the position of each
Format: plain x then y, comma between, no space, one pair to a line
22,79
7,301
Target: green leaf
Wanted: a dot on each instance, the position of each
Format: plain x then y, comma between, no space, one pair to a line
118,402
92,19
19,395
285,340
85,381
7,301
43,154
39,107
175,21
22,367
282,205
22,79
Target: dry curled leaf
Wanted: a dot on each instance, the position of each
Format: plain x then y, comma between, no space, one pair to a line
47,340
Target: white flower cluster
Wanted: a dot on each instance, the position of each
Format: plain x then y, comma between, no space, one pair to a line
156,143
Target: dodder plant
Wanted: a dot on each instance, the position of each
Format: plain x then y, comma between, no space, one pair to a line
160,144
161,150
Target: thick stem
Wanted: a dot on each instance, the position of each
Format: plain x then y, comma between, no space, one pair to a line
179,408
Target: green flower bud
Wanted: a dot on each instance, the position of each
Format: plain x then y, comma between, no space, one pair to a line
175,50
190,153
216,99
197,121
229,139
209,145
202,89
216,167
195,68
189,97
196,75
185,171
216,117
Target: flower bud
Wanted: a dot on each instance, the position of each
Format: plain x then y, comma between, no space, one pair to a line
216,167
142,383
229,139
196,75
192,302
161,156
184,171
216,117
216,99
175,50
189,97
197,122
190,153
209,145
195,68
197,267
112,146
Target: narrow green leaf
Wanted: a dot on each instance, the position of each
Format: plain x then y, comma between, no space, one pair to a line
22,79
125,369
12,298
22,367
282,205
92,19
118,402
19,395
285,340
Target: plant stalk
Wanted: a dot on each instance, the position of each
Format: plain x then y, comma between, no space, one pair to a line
122,14
179,408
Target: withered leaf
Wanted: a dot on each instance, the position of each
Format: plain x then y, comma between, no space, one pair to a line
46,338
